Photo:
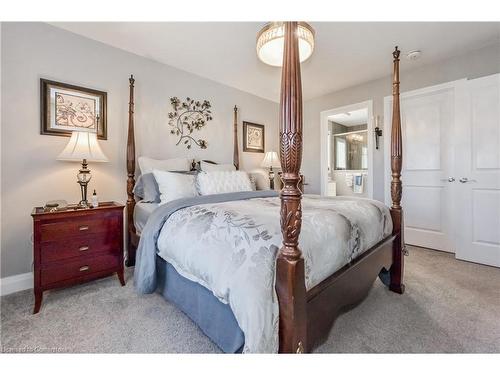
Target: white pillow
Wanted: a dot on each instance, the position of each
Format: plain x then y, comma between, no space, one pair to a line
209,167
175,185
219,182
147,165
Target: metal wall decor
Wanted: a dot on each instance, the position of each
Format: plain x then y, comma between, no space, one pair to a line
188,116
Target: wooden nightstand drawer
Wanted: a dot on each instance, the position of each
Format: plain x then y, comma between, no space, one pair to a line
78,246
78,268
85,225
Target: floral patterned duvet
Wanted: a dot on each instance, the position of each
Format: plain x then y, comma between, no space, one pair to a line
230,247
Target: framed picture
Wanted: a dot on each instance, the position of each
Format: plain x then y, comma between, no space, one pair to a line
65,108
253,137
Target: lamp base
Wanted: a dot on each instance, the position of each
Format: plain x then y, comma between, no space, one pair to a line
83,204
271,178
271,183
83,179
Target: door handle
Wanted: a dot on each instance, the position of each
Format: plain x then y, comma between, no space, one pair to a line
464,180
449,179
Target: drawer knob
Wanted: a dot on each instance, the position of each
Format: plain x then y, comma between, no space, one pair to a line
84,268
84,227
83,248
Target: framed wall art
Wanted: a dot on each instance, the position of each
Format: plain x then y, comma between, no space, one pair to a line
253,137
65,108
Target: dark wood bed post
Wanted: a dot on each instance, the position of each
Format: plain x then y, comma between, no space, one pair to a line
290,280
131,177
236,152
397,268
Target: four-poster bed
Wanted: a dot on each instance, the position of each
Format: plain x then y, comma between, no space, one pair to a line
306,315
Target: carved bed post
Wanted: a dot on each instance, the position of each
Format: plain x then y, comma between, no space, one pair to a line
290,280
396,272
236,152
131,176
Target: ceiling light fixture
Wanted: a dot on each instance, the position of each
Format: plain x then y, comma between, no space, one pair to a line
270,42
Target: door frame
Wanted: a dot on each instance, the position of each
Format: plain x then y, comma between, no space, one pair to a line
368,104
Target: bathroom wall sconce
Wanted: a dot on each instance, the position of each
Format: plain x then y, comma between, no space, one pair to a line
377,131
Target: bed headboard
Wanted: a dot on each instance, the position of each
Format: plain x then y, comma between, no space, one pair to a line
133,238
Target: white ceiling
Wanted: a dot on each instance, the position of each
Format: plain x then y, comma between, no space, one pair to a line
345,54
353,118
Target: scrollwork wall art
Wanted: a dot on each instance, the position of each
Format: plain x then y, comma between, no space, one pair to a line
188,116
66,108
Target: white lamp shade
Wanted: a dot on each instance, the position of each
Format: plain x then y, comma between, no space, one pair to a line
271,159
83,145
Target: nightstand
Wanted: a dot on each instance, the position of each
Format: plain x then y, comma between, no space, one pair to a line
73,246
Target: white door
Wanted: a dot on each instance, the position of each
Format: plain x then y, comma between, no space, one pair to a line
427,121
478,170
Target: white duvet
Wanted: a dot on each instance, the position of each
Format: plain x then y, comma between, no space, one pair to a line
231,247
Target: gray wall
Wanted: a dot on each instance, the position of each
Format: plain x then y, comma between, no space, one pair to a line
482,62
30,173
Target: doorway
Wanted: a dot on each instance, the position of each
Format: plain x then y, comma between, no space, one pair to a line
347,150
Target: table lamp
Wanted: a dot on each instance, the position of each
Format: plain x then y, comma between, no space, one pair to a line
271,160
83,147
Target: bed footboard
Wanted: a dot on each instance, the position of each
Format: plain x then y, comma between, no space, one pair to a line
345,288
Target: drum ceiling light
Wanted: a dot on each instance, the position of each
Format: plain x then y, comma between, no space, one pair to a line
270,42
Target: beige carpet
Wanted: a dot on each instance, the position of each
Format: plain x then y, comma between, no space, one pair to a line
449,306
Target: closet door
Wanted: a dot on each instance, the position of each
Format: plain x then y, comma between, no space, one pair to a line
478,171
427,120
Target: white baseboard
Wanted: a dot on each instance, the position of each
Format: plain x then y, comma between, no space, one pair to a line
16,283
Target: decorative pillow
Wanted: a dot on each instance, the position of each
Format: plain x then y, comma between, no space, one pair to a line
175,185
209,167
147,189
147,165
219,182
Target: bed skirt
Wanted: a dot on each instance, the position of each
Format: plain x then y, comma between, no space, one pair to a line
213,317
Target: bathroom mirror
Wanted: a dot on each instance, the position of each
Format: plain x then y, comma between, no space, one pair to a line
351,150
